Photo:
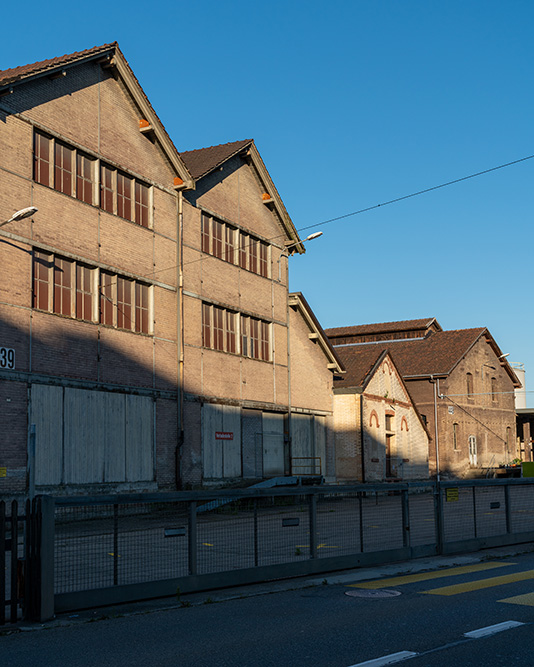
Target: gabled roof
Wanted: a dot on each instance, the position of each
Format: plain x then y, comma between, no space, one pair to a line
297,300
113,57
16,74
385,327
203,161
437,354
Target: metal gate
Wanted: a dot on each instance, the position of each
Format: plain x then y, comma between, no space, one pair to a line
20,561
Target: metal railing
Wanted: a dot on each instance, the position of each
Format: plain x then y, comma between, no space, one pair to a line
111,549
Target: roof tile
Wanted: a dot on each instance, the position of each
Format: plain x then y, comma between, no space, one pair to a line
203,160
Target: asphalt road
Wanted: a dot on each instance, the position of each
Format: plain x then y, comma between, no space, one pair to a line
425,622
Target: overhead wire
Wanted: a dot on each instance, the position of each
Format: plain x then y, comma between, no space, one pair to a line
375,206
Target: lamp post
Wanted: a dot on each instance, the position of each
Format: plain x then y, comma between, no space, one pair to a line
311,237
20,215
16,217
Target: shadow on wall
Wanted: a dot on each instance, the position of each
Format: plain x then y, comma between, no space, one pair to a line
105,418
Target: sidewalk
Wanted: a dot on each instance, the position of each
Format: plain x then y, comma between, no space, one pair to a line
344,577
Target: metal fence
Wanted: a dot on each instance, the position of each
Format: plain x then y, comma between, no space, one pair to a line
106,550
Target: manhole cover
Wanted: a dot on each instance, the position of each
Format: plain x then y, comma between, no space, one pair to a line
380,593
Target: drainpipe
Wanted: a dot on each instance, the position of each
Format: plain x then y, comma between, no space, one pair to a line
436,387
179,341
289,429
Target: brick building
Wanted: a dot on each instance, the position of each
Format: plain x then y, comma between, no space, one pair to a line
246,358
88,306
380,435
461,377
145,325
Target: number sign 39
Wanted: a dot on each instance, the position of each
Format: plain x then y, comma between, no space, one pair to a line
7,358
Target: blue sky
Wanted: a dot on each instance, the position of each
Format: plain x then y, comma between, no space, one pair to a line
351,104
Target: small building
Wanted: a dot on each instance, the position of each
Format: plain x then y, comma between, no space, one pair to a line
380,435
460,377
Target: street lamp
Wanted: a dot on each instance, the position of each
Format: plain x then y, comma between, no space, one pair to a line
20,215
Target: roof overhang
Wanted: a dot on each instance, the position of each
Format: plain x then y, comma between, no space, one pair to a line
297,301
110,56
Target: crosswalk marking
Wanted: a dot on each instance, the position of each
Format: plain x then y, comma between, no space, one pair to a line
527,599
479,584
425,576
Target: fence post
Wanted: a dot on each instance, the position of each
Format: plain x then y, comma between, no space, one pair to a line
405,519
313,525
475,511
256,559
507,508
2,562
192,537
438,512
44,517
13,607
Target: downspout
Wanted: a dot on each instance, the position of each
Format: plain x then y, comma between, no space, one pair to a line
436,387
362,435
289,429
179,341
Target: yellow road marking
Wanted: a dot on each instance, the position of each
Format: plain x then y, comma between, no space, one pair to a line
526,599
206,544
112,554
425,576
482,583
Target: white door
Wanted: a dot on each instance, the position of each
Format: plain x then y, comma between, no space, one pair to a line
273,444
472,450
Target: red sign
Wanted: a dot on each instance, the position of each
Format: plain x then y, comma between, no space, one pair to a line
224,435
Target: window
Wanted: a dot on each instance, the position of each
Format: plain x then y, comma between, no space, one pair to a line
62,167
219,332
255,338
72,172
455,436
63,286
124,303
469,385
84,293
391,467
106,189
66,287
493,389
225,242
84,178
41,159
141,308
218,328
142,206
124,195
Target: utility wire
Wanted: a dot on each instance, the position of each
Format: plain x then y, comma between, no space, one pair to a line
381,205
